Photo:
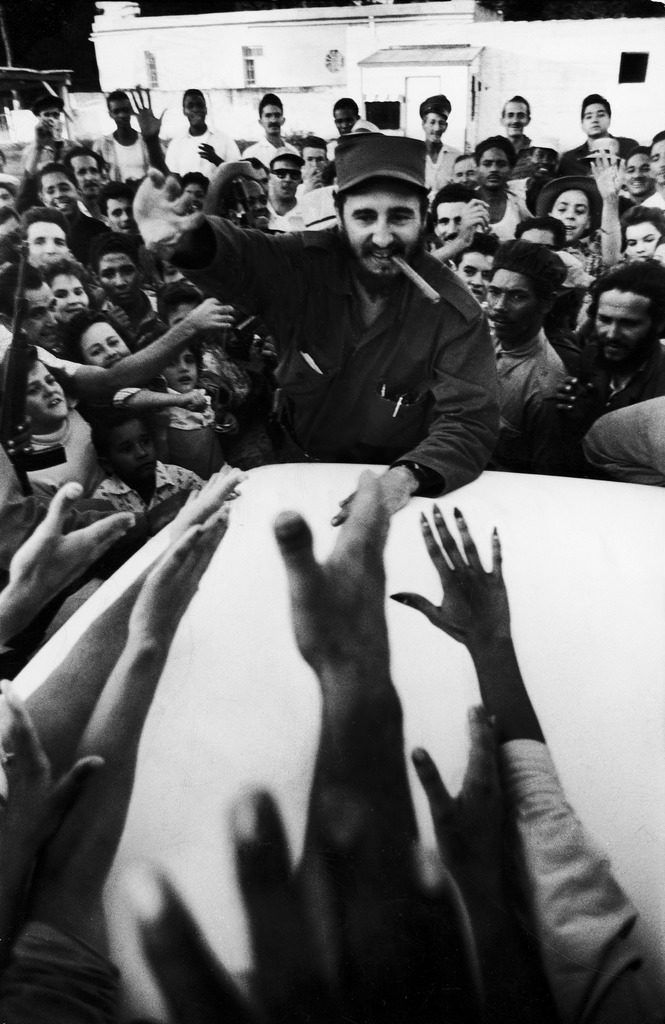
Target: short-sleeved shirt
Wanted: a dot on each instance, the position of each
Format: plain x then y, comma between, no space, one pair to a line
182,154
169,480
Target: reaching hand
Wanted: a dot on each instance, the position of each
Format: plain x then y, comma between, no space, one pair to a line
170,586
160,211
35,803
219,489
51,559
196,401
397,485
607,175
209,315
149,124
570,396
475,602
352,955
336,617
475,217
468,826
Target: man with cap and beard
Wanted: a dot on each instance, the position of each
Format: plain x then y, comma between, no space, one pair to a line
370,368
525,279
440,160
623,362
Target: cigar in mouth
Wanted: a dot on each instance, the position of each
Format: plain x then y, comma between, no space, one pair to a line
408,271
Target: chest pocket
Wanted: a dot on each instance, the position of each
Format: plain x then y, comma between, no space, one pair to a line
395,416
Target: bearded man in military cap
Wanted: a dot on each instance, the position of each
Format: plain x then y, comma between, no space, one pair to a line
377,364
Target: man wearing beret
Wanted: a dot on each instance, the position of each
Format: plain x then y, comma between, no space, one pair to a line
371,370
525,279
440,161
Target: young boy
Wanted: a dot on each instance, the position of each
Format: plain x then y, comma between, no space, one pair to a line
137,482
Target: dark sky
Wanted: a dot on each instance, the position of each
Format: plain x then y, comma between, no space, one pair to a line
55,34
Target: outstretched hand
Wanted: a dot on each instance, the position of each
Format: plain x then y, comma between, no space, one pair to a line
141,103
343,957
337,618
171,585
475,602
161,213
34,808
468,827
50,559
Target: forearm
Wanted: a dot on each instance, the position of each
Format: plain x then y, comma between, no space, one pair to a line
145,399
502,688
155,153
63,704
143,365
17,610
115,728
610,232
361,755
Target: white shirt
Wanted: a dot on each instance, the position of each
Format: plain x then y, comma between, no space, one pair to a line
439,172
265,151
655,200
182,155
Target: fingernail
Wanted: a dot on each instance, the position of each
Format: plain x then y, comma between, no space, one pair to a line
246,819
457,514
400,598
145,893
418,755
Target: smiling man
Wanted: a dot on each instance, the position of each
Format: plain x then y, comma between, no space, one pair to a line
58,190
371,370
623,362
440,162
200,148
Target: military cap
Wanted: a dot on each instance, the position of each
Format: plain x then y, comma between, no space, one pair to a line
372,155
435,105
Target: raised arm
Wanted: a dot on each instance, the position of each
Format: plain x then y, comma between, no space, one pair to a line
94,382
62,705
68,886
474,610
149,126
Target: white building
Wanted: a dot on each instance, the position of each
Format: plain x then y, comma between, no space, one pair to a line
392,55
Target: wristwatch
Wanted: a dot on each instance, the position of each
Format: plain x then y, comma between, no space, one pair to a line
430,483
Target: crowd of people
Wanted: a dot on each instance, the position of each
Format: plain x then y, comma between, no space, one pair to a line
172,315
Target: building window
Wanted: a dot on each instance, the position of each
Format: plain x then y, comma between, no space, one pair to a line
384,115
248,55
334,61
151,70
633,67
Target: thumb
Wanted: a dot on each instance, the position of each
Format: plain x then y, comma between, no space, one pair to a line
60,506
421,604
294,539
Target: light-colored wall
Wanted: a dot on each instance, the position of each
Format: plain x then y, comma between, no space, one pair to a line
554,64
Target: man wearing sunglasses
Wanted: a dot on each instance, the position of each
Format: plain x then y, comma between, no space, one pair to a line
285,176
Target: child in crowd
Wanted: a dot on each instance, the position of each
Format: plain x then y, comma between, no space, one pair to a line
136,481
192,439
236,376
